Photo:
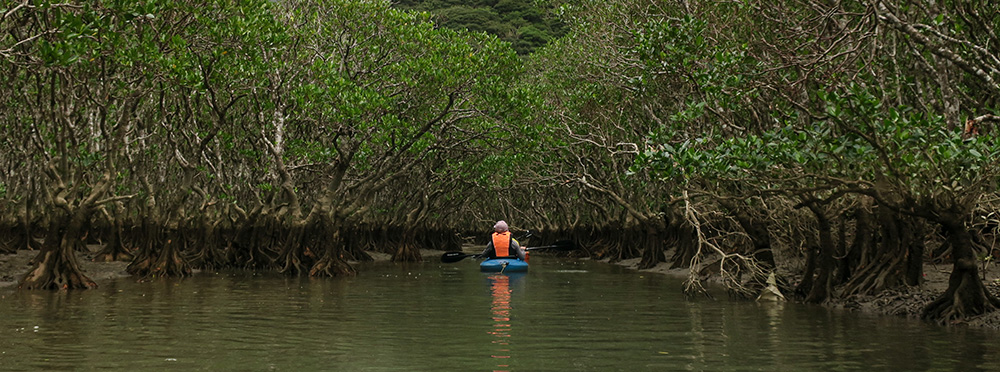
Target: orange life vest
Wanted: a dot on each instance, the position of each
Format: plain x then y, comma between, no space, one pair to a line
501,243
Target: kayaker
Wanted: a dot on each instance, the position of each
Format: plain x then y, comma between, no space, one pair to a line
502,244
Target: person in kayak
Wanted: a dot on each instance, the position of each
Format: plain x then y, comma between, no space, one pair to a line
502,244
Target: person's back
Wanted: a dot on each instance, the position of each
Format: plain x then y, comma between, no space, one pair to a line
502,244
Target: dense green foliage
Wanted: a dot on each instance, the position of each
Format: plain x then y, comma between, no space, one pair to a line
729,107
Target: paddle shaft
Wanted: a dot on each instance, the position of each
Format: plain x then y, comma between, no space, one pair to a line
450,257
565,245
542,247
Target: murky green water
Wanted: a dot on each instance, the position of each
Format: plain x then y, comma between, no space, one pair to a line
561,316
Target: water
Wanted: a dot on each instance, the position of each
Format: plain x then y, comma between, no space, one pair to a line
561,316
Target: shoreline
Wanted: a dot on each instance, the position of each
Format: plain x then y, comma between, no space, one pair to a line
904,301
14,266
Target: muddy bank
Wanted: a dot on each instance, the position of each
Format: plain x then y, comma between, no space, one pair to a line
14,266
904,302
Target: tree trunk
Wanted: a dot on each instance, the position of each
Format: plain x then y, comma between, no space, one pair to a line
294,255
809,274
685,239
21,239
914,265
57,266
160,255
208,253
331,262
407,249
755,230
862,246
252,241
889,258
822,286
114,249
652,253
966,295
22,232
843,260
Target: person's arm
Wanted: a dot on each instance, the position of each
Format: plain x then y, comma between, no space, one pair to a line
517,249
488,252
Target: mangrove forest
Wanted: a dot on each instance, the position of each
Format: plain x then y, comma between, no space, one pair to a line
838,146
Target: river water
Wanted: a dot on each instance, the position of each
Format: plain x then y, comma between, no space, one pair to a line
563,315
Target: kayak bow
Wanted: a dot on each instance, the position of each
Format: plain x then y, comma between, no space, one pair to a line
503,265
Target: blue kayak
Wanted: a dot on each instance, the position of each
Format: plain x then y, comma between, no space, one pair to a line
503,264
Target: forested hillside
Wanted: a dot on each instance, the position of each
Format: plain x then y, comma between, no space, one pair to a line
525,24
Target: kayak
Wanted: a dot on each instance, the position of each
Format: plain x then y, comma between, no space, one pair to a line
504,265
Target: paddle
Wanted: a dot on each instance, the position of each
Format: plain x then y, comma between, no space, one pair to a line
562,245
449,257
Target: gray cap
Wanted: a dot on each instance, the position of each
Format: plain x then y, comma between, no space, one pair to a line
500,226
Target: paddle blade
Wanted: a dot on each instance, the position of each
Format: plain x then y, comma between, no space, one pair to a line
449,257
564,245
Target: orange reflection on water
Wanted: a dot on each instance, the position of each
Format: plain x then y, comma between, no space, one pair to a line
500,290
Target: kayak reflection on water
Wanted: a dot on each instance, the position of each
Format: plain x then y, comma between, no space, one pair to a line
500,290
